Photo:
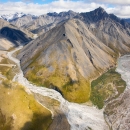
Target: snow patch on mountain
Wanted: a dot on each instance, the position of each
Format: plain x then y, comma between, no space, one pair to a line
9,17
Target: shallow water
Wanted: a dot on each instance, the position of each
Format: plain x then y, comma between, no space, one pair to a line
124,69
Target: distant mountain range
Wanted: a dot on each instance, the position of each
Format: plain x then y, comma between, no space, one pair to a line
12,35
127,20
9,17
43,23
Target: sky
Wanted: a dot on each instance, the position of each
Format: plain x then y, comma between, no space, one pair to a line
121,8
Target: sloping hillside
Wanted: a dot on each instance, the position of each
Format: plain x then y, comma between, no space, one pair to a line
67,58
111,30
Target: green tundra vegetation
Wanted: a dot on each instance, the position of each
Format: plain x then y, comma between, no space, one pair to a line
73,91
106,87
7,69
18,109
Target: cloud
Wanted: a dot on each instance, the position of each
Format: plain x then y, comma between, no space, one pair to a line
55,6
120,11
121,2
61,5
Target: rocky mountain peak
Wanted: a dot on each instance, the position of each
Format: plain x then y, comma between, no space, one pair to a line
115,18
99,14
52,14
94,16
63,14
100,9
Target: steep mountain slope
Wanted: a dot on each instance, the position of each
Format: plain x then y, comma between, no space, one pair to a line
111,30
9,17
46,22
67,58
75,52
25,19
14,34
127,20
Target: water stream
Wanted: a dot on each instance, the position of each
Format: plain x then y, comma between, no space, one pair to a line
80,117
124,69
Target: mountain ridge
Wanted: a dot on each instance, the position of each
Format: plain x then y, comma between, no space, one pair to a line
65,50
60,57
12,34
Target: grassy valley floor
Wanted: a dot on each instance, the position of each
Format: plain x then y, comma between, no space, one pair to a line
18,109
106,87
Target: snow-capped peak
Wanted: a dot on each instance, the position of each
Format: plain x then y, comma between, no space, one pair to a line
9,17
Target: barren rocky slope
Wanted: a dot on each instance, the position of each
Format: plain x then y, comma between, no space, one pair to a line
127,20
5,44
67,58
111,30
46,22
25,19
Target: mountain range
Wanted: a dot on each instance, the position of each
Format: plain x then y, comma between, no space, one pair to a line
73,53
74,50
71,50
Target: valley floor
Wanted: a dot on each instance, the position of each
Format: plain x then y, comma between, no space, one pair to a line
80,117
66,115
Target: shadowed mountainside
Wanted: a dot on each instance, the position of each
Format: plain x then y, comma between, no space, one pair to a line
12,34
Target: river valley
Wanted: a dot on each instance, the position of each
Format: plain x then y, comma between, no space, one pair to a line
79,116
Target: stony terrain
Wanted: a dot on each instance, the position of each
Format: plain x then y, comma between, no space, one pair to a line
127,20
69,56
60,121
117,111
106,88
79,116
111,30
